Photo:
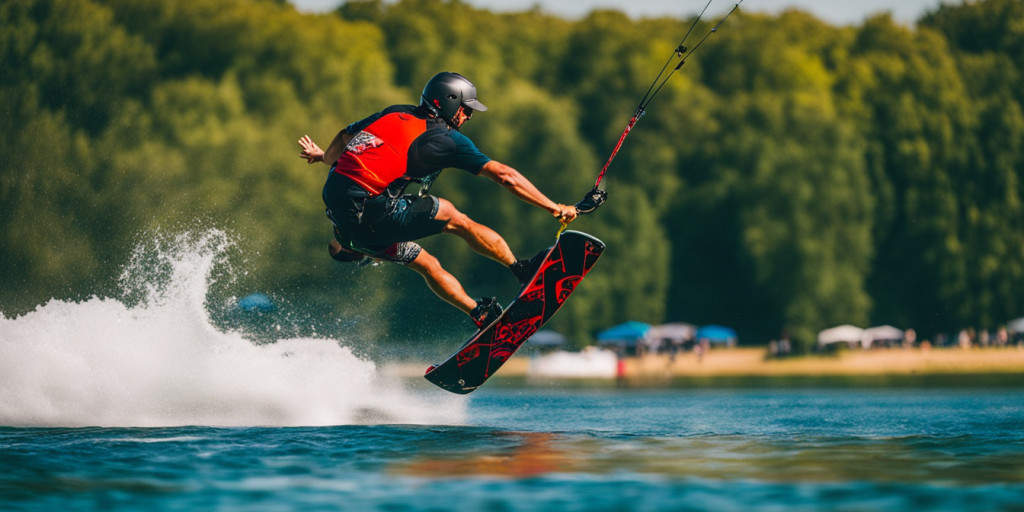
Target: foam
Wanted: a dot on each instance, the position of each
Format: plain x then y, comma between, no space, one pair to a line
153,358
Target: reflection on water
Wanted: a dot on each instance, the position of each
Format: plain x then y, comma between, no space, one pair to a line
956,461
527,454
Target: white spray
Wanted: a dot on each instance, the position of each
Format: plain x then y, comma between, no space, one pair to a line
161,362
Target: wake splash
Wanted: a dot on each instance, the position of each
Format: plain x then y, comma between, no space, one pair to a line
154,358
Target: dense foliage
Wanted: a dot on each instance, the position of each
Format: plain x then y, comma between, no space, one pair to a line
794,175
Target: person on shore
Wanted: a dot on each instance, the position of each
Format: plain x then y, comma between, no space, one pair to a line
372,162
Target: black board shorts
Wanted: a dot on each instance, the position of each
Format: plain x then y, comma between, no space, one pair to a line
386,227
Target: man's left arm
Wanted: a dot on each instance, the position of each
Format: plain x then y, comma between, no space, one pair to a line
524,189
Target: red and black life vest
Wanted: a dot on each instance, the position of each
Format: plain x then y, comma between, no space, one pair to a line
379,155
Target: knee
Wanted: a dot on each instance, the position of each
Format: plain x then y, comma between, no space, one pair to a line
455,221
426,264
459,223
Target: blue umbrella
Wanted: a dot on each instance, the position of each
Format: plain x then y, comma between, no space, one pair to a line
716,334
256,302
628,333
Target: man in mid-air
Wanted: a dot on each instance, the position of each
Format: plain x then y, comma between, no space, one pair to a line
373,160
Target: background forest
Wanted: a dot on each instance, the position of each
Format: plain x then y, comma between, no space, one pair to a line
794,175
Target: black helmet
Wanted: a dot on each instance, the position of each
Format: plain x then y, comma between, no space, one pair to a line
446,91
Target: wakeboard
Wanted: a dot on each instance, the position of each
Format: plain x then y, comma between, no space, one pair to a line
572,256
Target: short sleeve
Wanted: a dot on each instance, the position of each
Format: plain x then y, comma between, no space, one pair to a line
466,156
442,148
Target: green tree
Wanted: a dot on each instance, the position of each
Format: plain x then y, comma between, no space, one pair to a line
63,80
792,175
75,55
919,113
985,26
988,41
773,229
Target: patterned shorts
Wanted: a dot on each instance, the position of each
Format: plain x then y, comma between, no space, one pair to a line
389,227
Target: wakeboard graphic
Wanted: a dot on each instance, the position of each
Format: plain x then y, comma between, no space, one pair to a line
558,275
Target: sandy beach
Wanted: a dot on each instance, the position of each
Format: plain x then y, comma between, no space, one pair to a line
955,366
747,362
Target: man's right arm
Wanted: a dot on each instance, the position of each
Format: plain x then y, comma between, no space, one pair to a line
312,153
337,146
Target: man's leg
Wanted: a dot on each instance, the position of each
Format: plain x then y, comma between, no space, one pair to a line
481,239
441,282
448,288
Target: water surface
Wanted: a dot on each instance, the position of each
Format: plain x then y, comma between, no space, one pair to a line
527,449
140,402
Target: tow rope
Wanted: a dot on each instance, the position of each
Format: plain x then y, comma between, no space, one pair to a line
597,196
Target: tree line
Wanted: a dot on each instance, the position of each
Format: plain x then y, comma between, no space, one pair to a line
792,176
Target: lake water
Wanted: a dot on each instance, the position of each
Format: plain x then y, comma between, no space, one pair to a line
142,403
530,450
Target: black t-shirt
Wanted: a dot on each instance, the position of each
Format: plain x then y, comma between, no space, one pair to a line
436,149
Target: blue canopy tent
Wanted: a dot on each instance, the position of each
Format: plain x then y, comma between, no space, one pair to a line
628,334
256,302
717,334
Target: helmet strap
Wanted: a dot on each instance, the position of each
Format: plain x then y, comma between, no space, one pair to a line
436,111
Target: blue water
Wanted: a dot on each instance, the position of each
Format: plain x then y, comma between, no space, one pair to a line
142,403
530,449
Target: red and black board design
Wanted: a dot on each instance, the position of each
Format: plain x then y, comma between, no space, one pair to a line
572,256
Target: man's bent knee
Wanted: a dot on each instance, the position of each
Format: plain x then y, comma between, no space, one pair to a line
460,223
454,219
425,263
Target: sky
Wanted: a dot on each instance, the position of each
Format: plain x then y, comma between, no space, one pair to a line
845,12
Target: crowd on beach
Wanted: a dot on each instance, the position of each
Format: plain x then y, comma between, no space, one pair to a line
855,339
968,338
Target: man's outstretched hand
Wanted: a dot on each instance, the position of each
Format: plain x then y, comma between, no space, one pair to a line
310,151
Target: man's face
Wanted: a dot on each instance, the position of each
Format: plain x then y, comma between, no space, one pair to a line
463,115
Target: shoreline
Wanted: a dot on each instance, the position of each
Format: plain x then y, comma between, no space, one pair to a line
743,366
751,362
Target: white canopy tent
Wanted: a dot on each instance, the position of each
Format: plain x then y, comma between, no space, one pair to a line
841,334
667,335
881,333
1016,326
